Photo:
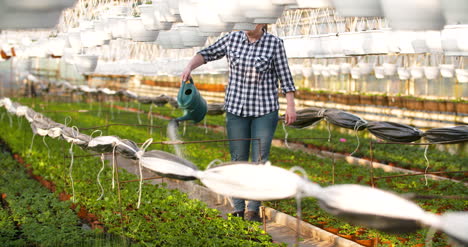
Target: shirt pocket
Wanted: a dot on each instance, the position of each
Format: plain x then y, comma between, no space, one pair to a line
234,59
262,63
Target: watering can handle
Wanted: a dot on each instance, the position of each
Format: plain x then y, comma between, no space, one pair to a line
190,79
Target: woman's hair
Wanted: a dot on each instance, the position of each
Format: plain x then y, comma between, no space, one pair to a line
265,28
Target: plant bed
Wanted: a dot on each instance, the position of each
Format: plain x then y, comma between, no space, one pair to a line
170,212
319,170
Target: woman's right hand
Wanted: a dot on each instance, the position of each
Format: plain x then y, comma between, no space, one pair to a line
185,76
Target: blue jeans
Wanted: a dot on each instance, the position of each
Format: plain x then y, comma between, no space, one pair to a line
261,128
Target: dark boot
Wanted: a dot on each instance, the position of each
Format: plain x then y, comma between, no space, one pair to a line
238,214
253,216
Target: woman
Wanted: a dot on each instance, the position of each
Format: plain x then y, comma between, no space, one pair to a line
257,60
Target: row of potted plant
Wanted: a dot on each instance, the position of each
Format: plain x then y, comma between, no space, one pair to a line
398,101
323,171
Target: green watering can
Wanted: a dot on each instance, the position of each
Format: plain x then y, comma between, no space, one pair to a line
192,102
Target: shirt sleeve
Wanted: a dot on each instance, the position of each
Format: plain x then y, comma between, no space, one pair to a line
216,50
281,66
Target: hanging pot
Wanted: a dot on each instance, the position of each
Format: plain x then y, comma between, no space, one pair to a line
434,41
208,18
187,13
375,42
454,40
232,11
447,70
357,8
345,68
417,72
317,69
379,72
334,69
139,33
284,2
462,75
307,72
30,14
389,69
355,73
190,36
262,11
85,63
353,43
455,11
431,72
301,47
413,15
365,68
403,73
307,4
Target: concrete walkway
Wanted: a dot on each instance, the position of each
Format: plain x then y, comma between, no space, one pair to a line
280,226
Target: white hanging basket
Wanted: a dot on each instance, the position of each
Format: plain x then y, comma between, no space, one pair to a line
301,47
208,18
325,72
31,14
455,11
462,75
379,72
74,38
262,11
417,72
307,4
455,40
330,46
284,2
365,68
352,43
244,26
447,70
190,36
375,42
85,63
389,69
365,8
307,72
355,73
434,42
413,15
232,11
317,69
334,69
431,72
403,73
162,12
345,68
139,33
187,12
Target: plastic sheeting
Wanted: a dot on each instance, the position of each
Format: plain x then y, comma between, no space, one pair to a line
345,119
169,165
215,109
394,132
447,135
306,117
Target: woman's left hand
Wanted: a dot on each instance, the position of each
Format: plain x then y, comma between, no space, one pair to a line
290,115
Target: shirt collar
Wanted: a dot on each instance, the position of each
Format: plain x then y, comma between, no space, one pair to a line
245,38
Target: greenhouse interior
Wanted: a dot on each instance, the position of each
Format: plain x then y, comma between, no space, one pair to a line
118,123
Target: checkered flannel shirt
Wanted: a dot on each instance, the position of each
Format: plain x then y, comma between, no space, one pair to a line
254,70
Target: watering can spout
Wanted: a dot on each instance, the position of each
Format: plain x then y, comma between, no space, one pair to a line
192,102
